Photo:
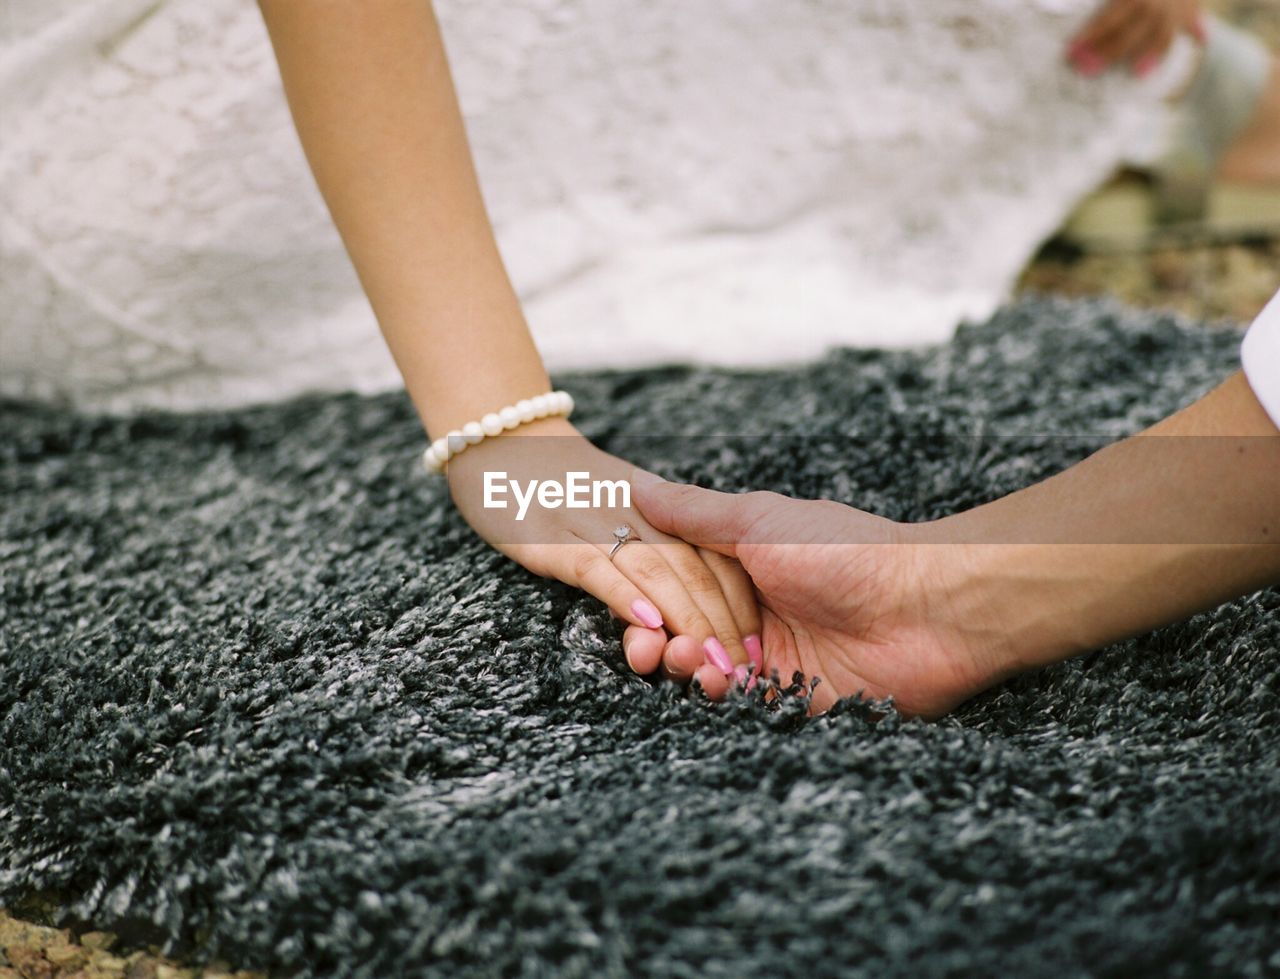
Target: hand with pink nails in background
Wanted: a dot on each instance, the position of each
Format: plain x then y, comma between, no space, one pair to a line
1137,33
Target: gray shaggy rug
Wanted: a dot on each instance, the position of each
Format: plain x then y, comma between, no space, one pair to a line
264,696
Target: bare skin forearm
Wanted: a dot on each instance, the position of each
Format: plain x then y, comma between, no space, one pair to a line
1147,531
373,100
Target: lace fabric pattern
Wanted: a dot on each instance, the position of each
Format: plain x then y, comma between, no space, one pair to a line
732,181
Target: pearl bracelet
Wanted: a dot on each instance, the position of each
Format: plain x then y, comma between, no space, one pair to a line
495,423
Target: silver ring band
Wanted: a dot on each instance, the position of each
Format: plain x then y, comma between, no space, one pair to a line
622,534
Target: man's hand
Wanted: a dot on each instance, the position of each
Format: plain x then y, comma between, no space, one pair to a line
1147,531
845,596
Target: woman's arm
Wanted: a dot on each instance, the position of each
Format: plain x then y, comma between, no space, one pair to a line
374,103
369,86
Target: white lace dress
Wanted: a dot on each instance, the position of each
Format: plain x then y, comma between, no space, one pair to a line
727,181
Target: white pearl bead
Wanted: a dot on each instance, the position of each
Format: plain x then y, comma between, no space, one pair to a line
494,423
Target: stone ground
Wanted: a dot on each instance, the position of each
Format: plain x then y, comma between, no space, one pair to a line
1203,280
1206,280
32,951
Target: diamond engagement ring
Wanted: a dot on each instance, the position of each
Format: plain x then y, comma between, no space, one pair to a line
622,534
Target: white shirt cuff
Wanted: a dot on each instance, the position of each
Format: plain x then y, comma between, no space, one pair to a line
1260,356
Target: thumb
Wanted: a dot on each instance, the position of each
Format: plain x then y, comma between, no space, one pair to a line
716,521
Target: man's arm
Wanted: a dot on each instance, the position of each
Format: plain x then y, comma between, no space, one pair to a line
1146,531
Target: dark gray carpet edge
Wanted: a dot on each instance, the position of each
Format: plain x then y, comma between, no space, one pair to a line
264,695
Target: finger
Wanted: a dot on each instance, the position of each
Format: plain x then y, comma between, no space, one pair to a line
1111,18
714,683
772,627
716,521
643,648
740,595
682,658
1118,43
1140,47
587,567
1196,25
704,588
648,570
1149,60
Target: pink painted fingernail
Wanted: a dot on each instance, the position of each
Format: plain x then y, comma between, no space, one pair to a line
755,652
645,611
742,674
1145,65
717,656
1088,63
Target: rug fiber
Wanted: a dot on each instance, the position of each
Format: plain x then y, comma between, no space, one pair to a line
264,696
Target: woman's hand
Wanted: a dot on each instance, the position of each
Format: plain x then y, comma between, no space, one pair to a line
1134,32
685,607
373,98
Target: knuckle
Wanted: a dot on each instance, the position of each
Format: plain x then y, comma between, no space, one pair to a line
649,566
696,575
686,617
763,502
759,504
702,585
585,560
717,561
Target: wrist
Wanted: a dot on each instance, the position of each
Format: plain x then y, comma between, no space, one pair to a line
1017,607
452,399
550,404
532,449
1025,604
495,448
1000,606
